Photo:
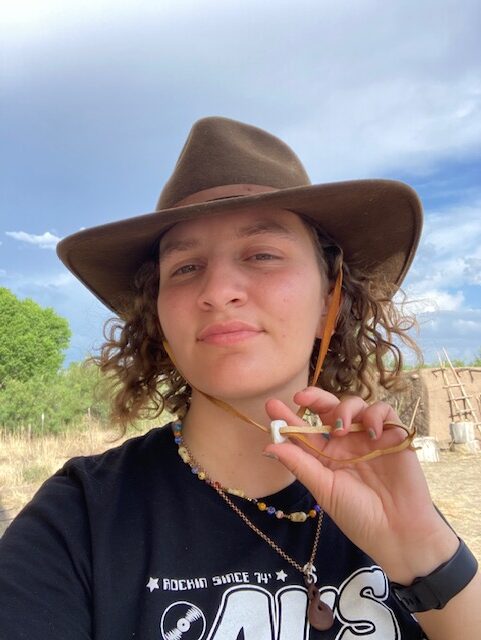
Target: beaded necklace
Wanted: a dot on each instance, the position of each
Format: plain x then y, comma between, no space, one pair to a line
200,472
319,614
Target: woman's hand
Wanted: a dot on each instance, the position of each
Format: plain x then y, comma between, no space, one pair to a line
382,505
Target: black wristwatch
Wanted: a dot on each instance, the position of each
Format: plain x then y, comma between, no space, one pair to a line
436,590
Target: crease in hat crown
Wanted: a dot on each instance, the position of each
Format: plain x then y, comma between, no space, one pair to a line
227,166
220,152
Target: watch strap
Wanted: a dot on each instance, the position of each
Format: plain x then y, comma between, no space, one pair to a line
435,590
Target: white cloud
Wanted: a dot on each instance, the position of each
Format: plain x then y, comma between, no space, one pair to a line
456,226
459,332
29,17
45,241
449,256
404,122
25,284
424,301
357,88
469,325
55,280
472,270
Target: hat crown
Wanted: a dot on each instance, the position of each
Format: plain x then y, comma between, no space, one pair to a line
220,151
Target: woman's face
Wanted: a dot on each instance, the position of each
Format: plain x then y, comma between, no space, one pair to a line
241,300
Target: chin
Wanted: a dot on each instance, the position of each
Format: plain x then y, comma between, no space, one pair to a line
235,377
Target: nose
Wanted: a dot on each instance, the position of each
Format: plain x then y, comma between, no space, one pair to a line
222,286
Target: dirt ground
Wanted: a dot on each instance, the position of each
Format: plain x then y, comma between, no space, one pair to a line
455,484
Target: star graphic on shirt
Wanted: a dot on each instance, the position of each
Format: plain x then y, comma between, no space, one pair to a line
152,584
281,575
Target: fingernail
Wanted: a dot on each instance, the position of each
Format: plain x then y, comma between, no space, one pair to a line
269,454
339,424
371,433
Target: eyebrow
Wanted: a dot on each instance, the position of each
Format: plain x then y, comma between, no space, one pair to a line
257,228
172,246
264,226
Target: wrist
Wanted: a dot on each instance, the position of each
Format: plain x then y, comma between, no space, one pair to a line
422,554
435,590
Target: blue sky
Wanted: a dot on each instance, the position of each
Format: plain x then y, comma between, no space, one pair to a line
96,101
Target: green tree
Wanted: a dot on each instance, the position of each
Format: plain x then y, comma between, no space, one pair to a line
64,400
78,391
33,339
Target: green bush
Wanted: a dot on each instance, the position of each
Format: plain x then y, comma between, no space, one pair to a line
33,339
63,400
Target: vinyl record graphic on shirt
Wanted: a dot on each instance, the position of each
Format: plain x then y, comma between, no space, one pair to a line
182,621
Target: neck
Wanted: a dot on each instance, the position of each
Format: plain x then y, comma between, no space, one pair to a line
230,449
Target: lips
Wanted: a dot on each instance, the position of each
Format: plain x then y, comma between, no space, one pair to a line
228,332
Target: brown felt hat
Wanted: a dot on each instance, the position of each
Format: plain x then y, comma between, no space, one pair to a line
228,166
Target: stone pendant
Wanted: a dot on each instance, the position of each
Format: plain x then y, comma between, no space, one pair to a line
319,614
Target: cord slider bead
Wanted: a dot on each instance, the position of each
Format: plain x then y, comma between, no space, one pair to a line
276,435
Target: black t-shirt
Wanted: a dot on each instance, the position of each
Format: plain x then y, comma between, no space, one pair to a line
131,545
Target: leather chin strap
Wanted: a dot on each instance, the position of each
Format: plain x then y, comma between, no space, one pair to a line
301,432
328,332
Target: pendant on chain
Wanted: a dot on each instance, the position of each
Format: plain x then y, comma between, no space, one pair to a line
319,614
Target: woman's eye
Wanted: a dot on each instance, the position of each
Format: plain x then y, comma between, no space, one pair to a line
185,268
263,257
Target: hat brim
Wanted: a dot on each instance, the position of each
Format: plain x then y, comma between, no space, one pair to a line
376,222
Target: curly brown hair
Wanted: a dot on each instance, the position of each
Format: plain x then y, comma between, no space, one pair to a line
362,353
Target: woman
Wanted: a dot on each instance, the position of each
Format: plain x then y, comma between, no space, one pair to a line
229,296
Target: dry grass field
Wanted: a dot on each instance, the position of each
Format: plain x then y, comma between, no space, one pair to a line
455,481
25,463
